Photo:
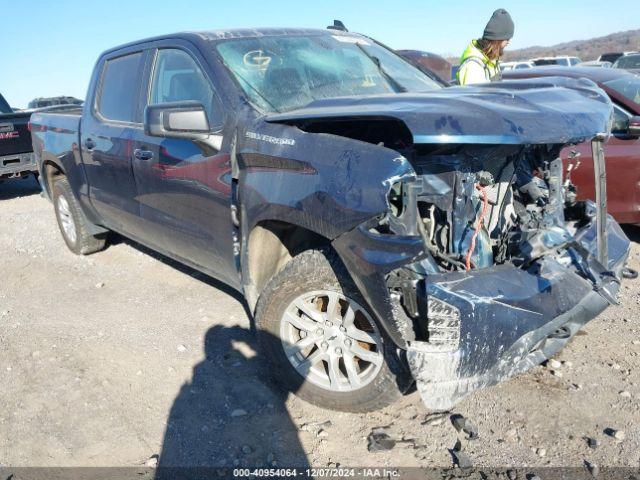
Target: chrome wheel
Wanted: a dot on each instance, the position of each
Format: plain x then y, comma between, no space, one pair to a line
331,341
66,220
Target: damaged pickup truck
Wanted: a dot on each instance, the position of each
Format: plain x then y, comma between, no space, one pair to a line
384,230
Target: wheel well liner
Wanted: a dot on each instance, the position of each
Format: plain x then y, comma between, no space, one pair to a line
51,171
270,246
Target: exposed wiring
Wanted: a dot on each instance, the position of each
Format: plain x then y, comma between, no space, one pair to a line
434,250
485,207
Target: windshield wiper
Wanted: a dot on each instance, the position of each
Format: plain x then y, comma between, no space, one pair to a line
376,61
252,87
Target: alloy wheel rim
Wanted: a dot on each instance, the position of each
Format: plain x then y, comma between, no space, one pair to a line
331,341
64,213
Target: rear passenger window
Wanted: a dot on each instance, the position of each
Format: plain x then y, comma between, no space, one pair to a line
118,94
177,78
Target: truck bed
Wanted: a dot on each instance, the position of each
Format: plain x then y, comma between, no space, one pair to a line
55,133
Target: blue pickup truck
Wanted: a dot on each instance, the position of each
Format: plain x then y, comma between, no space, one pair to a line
384,230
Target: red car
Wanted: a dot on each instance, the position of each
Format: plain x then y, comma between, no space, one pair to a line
429,63
622,151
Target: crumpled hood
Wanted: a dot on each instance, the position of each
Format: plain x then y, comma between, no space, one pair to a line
533,111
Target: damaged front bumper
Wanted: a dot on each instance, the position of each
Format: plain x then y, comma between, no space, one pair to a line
501,321
487,325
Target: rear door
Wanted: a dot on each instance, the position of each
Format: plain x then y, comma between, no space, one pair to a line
184,186
107,132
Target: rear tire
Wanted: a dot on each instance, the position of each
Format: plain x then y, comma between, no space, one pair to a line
72,222
340,379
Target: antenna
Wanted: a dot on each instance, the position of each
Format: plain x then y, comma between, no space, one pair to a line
338,25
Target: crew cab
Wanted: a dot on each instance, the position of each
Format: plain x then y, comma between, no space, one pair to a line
16,153
383,230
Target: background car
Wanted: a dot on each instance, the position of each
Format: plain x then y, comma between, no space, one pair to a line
16,152
428,63
41,102
622,150
613,56
518,65
564,61
629,62
595,63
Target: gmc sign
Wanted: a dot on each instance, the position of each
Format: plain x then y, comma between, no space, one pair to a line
6,135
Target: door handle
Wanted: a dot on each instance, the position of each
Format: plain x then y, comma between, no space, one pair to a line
143,154
89,144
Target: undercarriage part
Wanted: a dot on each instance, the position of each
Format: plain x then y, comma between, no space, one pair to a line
629,273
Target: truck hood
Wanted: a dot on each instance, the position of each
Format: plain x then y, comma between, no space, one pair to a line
533,111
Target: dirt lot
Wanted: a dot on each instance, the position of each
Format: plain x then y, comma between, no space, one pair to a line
110,359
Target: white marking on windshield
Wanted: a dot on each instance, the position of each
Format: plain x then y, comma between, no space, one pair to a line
345,39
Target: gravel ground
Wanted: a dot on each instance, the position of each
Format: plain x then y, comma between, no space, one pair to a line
123,356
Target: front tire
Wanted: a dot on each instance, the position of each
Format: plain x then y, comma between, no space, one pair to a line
73,224
321,342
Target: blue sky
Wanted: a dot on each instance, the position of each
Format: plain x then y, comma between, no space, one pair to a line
50,46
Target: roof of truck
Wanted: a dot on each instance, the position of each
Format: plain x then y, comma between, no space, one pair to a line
216,35
265,32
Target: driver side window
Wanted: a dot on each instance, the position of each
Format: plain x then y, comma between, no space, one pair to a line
177,78
620,121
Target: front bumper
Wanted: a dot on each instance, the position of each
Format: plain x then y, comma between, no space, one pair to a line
510,319
17,165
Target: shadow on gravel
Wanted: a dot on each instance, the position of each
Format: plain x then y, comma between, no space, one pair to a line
116,239
228,415
19,187
633,232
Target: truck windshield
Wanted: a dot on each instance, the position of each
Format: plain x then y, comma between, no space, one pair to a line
4,106
284,73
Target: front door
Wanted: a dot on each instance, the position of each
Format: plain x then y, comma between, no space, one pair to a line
184,186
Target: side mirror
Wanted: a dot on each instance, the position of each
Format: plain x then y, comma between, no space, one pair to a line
176,120
634,127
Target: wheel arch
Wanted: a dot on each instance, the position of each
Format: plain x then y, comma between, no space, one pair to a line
51,169
270,245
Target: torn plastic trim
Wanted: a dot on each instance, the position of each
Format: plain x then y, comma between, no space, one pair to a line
438,376
510,318
369,257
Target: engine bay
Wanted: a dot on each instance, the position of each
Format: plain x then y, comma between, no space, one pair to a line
476,206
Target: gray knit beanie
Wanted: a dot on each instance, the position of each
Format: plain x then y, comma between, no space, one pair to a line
500,26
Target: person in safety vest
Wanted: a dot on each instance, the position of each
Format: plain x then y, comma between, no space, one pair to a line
480,62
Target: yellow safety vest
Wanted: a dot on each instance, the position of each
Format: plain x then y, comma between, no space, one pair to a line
473,54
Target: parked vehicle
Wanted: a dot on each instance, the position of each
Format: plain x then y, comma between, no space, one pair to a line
622,150
595,63
505,66
41,102
630,63
429,63
613,56
16,152
564,61
381,228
